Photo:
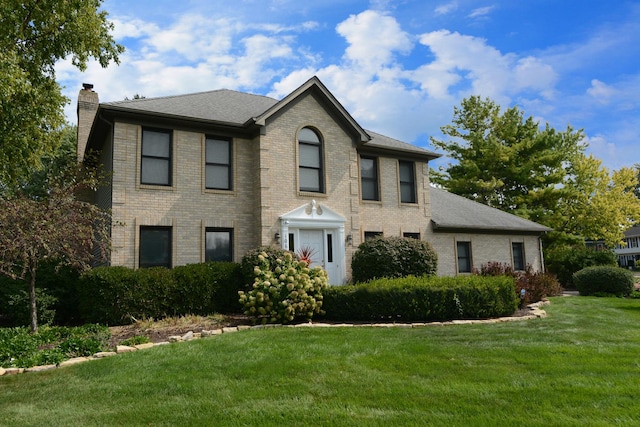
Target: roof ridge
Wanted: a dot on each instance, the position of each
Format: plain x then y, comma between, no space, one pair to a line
183,95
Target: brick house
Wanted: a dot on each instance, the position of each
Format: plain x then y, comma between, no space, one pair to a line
208,176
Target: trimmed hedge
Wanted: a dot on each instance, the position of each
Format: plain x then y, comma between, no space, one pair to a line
118,295
393,257
422,299
567,261
604,280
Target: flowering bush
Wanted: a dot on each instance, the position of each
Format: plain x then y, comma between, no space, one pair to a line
284,289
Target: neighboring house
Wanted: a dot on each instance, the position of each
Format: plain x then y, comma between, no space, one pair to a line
208,176
629,253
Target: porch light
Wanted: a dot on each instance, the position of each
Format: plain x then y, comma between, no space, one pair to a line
277,237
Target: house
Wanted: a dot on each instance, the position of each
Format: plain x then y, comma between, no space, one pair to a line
629,252
210,175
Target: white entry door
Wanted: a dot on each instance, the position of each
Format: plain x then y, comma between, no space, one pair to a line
321,243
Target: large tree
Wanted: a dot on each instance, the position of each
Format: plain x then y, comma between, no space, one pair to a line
508,162
47,222
34,35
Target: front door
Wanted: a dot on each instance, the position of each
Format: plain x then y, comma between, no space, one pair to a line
321,244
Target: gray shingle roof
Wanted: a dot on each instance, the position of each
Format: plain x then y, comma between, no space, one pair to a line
222,106
450,211
385,142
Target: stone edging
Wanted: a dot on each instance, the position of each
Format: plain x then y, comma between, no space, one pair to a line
535,312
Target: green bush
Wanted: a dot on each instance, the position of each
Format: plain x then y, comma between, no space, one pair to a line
536,286
135,340
284,289
206,288
17,309
108,295
51,345
422,298
604,280
566,261
119,295
393,257
250,260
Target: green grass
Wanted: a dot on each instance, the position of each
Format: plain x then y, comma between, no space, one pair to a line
578,367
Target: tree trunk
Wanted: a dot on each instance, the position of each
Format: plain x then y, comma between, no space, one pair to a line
32,301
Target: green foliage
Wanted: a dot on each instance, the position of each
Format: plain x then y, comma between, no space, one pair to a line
251,259
536,285
135,340
604,280
33,37
284,289
423,298
564,262
393,257
16,308
119,295
206,288
51,345
508,162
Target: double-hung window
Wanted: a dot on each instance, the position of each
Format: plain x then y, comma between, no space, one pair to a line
369,178
517,250
310,162
463,250
218,155
407,182
155,247
219,244
155,164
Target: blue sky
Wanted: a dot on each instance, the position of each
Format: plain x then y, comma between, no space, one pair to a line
399,67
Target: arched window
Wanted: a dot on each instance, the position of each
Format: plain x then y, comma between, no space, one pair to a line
310,161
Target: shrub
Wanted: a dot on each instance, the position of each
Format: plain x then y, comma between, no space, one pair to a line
604,280
536,286
206,288
393,257
284,289
422,299
566,261
17,310
250,260
118,295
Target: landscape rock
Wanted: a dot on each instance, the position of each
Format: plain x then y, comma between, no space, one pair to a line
13,371
188,336
125,349
101,354
40,368
2,371
73,361
144,345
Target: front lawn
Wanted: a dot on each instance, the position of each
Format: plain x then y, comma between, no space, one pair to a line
579,366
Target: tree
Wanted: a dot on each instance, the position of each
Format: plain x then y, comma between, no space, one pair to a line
34,35
510,163
52,226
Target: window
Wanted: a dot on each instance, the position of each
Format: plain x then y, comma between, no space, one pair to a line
155,247
218,244
371,235
517,249
464,257
369,178
218,157
407,182
310,161
155,165
411,236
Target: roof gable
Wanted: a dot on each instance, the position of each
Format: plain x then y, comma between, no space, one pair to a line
315,86
452,212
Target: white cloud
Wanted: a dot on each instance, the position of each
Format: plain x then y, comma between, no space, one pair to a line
373,39
600,91
481,12
446,8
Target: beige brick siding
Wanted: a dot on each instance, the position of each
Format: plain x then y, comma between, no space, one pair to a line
266,186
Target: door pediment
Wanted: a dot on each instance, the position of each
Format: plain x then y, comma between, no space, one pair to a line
313,214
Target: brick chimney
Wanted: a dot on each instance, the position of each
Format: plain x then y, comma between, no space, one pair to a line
87,109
